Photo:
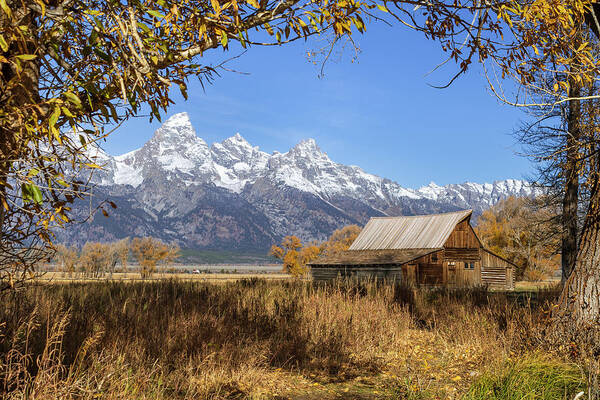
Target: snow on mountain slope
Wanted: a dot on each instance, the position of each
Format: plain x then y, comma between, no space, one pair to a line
125,172
468,193
176,153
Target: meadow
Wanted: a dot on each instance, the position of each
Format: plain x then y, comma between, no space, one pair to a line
134,276
282,339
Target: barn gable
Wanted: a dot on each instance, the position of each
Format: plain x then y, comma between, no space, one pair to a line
463,237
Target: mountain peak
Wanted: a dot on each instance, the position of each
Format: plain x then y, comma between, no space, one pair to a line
310,142
178,119
307,146
237,140
176,127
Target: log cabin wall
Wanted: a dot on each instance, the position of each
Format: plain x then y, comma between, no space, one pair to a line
496,272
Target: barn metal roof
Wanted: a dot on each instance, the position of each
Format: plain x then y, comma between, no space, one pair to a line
416,232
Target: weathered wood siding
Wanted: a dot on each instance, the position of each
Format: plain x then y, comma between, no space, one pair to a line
388,272
462,237
459,273
409,274
460,250
496,272
391,273
430,274
429,269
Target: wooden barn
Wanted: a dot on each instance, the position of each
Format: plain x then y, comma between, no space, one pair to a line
439,249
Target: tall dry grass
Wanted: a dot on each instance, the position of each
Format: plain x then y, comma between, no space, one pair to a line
254,338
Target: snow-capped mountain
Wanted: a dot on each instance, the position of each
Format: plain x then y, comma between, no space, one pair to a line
233,195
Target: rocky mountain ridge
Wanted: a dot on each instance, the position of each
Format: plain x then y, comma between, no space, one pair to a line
232,195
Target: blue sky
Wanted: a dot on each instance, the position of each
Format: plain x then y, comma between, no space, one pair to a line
377,112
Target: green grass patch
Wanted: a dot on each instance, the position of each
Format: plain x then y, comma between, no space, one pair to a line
537,377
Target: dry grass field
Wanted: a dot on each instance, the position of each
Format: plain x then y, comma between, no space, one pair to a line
63,277
280,339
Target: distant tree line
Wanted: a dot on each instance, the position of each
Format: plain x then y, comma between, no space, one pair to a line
97,259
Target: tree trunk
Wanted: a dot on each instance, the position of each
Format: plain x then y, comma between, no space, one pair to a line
570,199
581,295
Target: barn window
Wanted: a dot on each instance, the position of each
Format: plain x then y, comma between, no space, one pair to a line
469,265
